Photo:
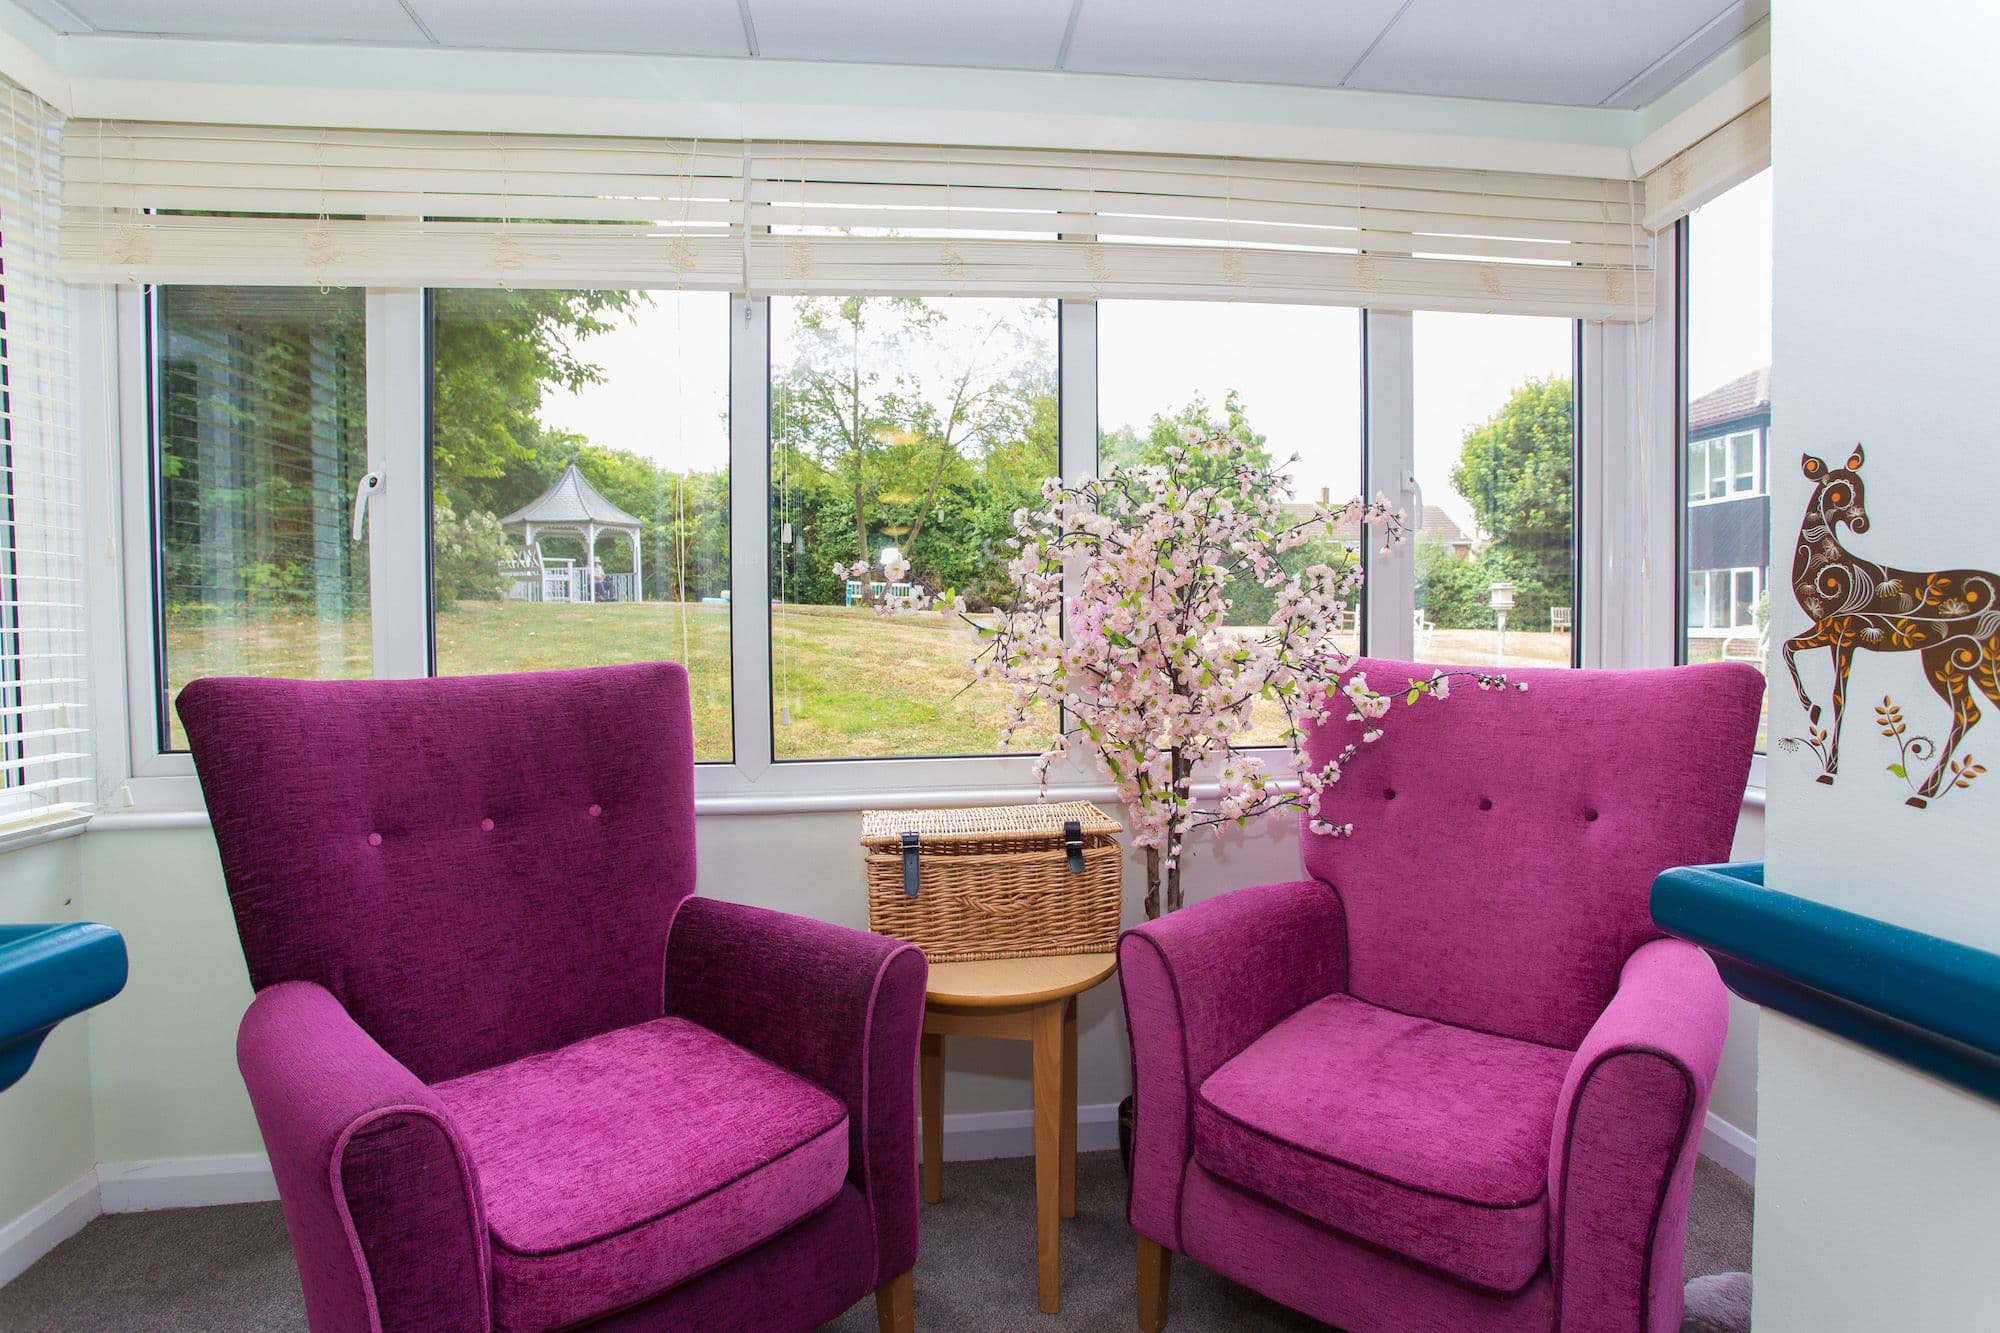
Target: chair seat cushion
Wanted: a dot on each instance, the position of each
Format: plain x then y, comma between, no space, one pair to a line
1429,1140
617,1167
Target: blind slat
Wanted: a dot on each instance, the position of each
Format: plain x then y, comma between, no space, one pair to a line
45,758
1709,167
357,207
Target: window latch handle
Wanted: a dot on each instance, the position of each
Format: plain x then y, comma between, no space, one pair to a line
1416,494
370,483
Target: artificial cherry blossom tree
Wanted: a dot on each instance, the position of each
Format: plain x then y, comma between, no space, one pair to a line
1147,676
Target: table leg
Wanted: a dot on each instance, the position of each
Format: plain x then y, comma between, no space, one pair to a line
931,1080
1069,1109
1048,1048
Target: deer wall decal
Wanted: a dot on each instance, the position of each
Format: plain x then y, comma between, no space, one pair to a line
1950,618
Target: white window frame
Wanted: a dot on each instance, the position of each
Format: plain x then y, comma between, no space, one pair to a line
1728,578
1730,491
159,786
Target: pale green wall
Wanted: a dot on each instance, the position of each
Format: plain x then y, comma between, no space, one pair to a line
45,1119
163,1055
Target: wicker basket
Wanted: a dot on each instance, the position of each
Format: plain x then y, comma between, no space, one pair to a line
1010,881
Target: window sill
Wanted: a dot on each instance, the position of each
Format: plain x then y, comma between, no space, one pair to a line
15,837
901,798
179,817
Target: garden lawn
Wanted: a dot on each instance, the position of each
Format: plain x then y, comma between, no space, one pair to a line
849,683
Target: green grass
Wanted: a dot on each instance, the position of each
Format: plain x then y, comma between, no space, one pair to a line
857,684
848,683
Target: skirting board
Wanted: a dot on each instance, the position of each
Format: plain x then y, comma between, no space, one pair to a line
974,1136
47,1225
131,1187
1729,1147
185,1182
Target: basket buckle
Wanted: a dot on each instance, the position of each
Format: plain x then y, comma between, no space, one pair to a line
910,871
1073,845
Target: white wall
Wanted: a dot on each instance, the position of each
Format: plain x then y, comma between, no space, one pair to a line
1874,1193
1874,1204
1894,346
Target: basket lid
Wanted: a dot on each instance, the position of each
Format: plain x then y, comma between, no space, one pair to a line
1039,820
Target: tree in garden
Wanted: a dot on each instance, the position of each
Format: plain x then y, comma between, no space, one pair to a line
987,400
932,457
834,405
495,354
1516,469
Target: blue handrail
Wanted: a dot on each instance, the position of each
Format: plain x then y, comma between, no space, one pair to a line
48,973
1931,1003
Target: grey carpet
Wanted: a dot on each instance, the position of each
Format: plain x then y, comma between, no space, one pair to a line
217,1269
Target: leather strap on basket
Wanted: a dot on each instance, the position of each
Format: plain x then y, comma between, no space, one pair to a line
911,873
1073,845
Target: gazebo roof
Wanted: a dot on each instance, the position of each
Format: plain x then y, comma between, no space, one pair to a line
572,500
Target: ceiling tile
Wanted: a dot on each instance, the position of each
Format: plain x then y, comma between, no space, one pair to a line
1018,34
1707,43
1254,41
55,14
1570,52
269,20
658,27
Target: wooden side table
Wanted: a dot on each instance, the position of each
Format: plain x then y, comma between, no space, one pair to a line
1020,999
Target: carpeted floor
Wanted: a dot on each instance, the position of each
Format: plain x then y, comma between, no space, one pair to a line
224,1269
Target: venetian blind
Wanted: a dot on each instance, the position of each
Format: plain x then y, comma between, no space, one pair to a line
1709,167
208,203
45,751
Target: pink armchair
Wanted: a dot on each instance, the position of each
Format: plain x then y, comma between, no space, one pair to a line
510,1073
1456,1079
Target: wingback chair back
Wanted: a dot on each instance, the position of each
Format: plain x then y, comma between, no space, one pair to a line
450,856
1505,841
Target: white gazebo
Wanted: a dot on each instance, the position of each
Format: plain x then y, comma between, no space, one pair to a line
574,508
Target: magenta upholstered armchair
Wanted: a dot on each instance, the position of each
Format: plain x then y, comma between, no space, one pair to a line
510,1073
1456,1079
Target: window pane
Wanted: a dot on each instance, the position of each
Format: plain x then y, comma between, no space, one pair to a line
260,438
1728,334
1743,610
1743,463
1697,455
1286,379
1495,451
580,486
907,429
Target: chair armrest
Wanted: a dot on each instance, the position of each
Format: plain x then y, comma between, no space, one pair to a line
841,1007
379,1194
1200,985
1627,1132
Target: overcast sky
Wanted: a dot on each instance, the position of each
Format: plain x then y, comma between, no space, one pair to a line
1298,368
1729,286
